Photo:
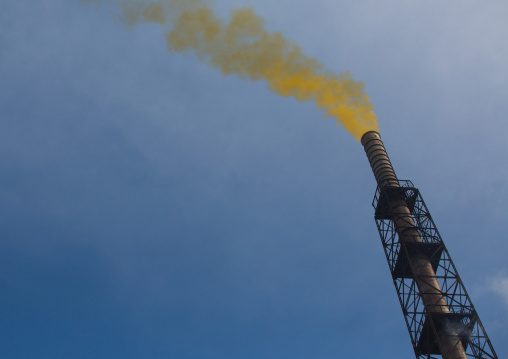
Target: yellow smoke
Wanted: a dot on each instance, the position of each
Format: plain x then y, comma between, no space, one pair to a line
243,47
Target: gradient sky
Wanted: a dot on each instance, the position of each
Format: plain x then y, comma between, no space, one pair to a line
152,208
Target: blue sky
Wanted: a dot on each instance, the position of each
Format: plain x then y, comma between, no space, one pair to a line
152,208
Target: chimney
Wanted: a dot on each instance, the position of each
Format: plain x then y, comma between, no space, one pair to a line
412,249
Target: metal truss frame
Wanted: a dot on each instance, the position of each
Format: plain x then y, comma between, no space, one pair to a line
424,328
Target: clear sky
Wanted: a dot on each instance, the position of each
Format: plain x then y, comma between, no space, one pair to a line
153,208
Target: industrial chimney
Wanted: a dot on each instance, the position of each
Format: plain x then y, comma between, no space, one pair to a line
440,317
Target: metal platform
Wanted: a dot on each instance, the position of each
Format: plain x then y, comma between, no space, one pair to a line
456,324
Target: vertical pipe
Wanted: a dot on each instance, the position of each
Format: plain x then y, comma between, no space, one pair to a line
424,275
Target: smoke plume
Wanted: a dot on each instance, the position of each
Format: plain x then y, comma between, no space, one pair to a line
243,47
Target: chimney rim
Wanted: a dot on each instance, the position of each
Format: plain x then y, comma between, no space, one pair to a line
367,133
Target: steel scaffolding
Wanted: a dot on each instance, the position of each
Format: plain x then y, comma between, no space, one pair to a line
427,326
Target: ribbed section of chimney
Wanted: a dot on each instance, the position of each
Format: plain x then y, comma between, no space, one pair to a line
378,159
